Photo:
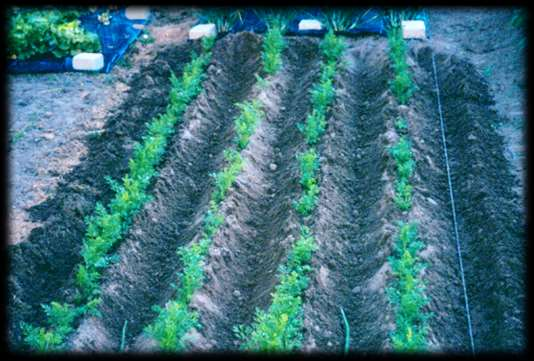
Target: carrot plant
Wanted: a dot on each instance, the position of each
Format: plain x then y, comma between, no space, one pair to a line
322,95
107,226
245,123
309,164
170,328
402,84
272,48
279,328
406,292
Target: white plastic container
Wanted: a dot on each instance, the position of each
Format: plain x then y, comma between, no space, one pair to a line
88,61
137,12
310,24
413,29
201,30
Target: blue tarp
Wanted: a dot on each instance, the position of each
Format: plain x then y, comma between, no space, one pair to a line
368,21
250,21
119,34
114,41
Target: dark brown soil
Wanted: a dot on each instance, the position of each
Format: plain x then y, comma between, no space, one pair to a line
490,221
355,237
43,265
148,255
353,225
260,222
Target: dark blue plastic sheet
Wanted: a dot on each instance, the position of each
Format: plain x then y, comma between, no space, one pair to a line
368,21
250,21
115,39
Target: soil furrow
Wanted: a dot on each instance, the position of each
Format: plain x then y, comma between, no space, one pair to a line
41,268
148,259
260,224
353,225
490,223
431,210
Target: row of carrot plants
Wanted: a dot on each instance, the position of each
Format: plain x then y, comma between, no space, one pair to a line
108,225
406,292
279,328
173,321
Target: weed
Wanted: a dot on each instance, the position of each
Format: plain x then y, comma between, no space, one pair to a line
518,18
16,137
487,72
146,38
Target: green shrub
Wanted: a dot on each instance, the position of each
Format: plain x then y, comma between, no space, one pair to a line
322,95
402,87
60,318
212,220
402,151
37,34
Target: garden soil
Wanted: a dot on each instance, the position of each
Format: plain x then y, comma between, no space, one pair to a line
354,223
